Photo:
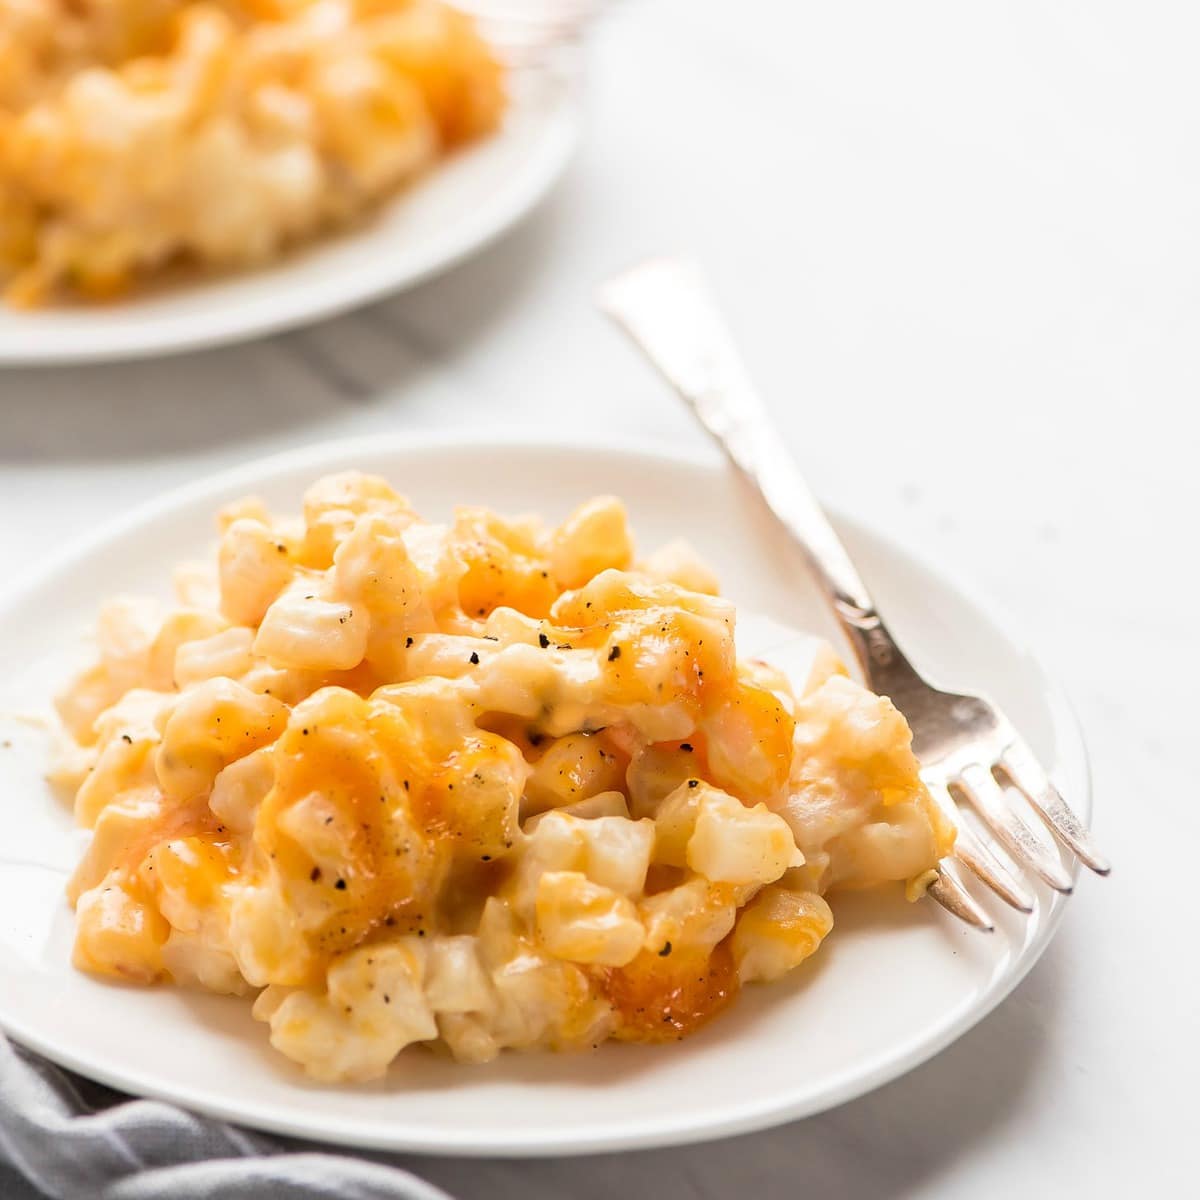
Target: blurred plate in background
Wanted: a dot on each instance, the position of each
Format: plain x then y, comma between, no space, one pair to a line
460,206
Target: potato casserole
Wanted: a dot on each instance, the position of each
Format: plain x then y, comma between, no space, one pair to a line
480,785
140,134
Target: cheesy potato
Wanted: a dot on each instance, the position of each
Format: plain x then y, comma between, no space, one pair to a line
135,134
481,785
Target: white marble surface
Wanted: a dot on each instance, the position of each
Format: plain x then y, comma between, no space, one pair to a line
960,245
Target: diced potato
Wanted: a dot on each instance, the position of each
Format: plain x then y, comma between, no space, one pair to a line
118,934
181,627
584,922
333,506
677,562
602,804
594,538
617,852
467,1037
227,653
254,567
270,945
124,633
654,772
193,962
693,916
777,931
572,768
372,567
303,630
675,822
122,766
212,725
373,1008
187,877
124,830
899,847
455,980
735,844
749,742
611,851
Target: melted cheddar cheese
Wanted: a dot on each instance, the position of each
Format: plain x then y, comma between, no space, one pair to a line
479,785
137,135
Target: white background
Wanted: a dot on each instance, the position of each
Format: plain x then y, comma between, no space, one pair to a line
959,243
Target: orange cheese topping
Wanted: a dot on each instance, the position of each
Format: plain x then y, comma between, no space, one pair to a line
409,786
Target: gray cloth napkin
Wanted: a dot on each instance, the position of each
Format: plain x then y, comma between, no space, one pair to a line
70,1139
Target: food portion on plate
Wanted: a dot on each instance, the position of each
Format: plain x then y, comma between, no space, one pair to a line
137,135
480,785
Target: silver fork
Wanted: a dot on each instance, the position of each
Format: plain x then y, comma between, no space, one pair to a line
966,746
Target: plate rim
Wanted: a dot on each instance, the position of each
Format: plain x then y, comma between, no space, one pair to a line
564,124
760,1115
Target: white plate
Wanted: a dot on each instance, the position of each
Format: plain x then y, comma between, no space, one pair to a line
893,985
454,210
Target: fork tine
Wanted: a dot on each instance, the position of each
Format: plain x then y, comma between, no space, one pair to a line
976,857
1020,766
981,862
1016,837
957,901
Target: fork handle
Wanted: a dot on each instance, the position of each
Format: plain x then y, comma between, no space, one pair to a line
666,309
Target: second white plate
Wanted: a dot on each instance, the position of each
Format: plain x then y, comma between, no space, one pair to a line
893,984
454,210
